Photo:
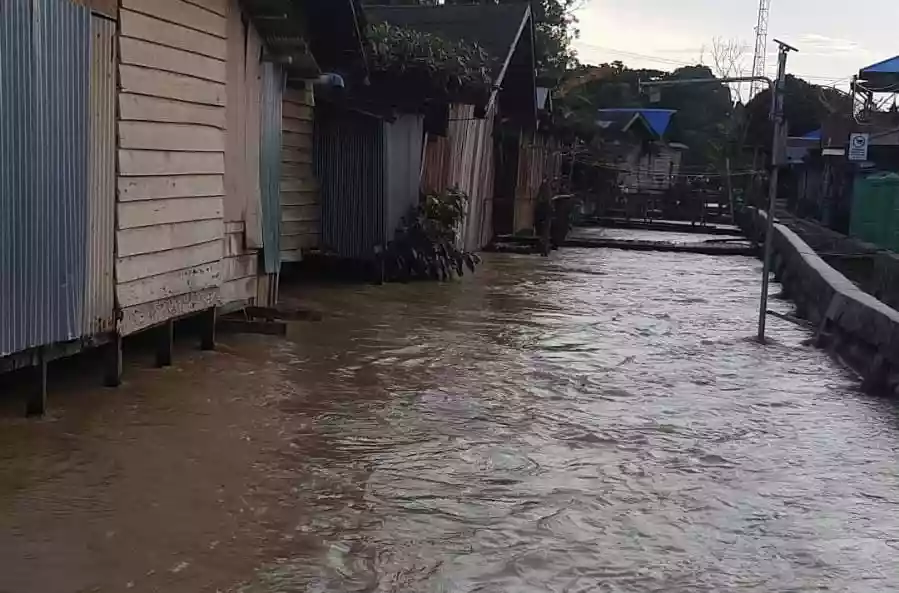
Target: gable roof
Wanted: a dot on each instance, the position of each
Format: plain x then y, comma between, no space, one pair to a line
497,28
504,31
657,121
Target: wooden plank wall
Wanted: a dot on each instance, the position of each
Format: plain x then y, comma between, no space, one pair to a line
300,197
539,158
171,132
240,268
242,202
464,158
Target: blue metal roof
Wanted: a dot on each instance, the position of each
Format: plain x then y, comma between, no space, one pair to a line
658,119
890,66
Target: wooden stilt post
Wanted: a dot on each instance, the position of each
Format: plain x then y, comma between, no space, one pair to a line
207,329
112,362
165,344
37,395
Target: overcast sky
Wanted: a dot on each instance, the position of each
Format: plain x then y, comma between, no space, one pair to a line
835,37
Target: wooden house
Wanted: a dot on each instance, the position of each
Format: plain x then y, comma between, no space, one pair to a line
492,151
161,125
634,143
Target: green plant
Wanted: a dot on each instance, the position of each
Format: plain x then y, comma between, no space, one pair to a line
448,65
425,246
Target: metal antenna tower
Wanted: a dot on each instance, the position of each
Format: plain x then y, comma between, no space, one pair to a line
761,46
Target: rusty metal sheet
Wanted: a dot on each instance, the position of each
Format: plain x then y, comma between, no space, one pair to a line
99,296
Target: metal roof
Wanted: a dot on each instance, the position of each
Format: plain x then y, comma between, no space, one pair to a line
658,120
890,66
882,77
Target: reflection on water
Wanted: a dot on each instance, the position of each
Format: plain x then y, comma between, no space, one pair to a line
595,421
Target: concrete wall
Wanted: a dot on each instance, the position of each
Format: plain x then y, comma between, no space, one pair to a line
862,329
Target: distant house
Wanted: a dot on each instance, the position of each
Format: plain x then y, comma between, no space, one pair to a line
633,143
826,181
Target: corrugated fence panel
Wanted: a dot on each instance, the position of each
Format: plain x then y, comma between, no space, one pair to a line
99,300
270,165
44,71
349,163
402,152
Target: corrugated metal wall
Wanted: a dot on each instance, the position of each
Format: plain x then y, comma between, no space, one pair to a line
349,164
270,165
402,168
44,72
99,298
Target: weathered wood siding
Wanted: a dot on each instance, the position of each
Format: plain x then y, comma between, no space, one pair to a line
539,159
242,202
654,171
464,159
300,197
240,268
171,159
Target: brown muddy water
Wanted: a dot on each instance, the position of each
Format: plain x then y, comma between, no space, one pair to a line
594,421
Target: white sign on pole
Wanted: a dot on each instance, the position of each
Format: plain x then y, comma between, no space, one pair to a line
858,147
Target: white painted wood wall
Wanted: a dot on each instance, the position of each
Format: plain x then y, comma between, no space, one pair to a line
300,197
171,161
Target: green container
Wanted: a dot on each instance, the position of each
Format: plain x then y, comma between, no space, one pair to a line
875,210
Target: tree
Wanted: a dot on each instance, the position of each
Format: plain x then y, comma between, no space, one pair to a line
556,29
554,22
703,110
806,107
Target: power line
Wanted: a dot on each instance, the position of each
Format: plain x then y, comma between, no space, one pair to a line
662,60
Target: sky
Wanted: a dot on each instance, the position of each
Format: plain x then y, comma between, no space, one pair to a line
833,41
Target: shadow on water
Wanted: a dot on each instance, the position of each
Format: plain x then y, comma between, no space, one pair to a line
594,421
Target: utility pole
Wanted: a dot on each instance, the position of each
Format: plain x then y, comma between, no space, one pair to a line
778,89
776,162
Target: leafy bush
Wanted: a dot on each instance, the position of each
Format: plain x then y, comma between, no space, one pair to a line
448,65
425,246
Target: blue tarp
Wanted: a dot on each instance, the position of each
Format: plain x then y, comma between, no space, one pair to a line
890,66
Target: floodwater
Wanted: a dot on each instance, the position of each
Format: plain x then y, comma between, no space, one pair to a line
594,421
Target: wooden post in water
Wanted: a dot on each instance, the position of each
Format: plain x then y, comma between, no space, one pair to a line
207,329
112,362
165,344
37,393
730,190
